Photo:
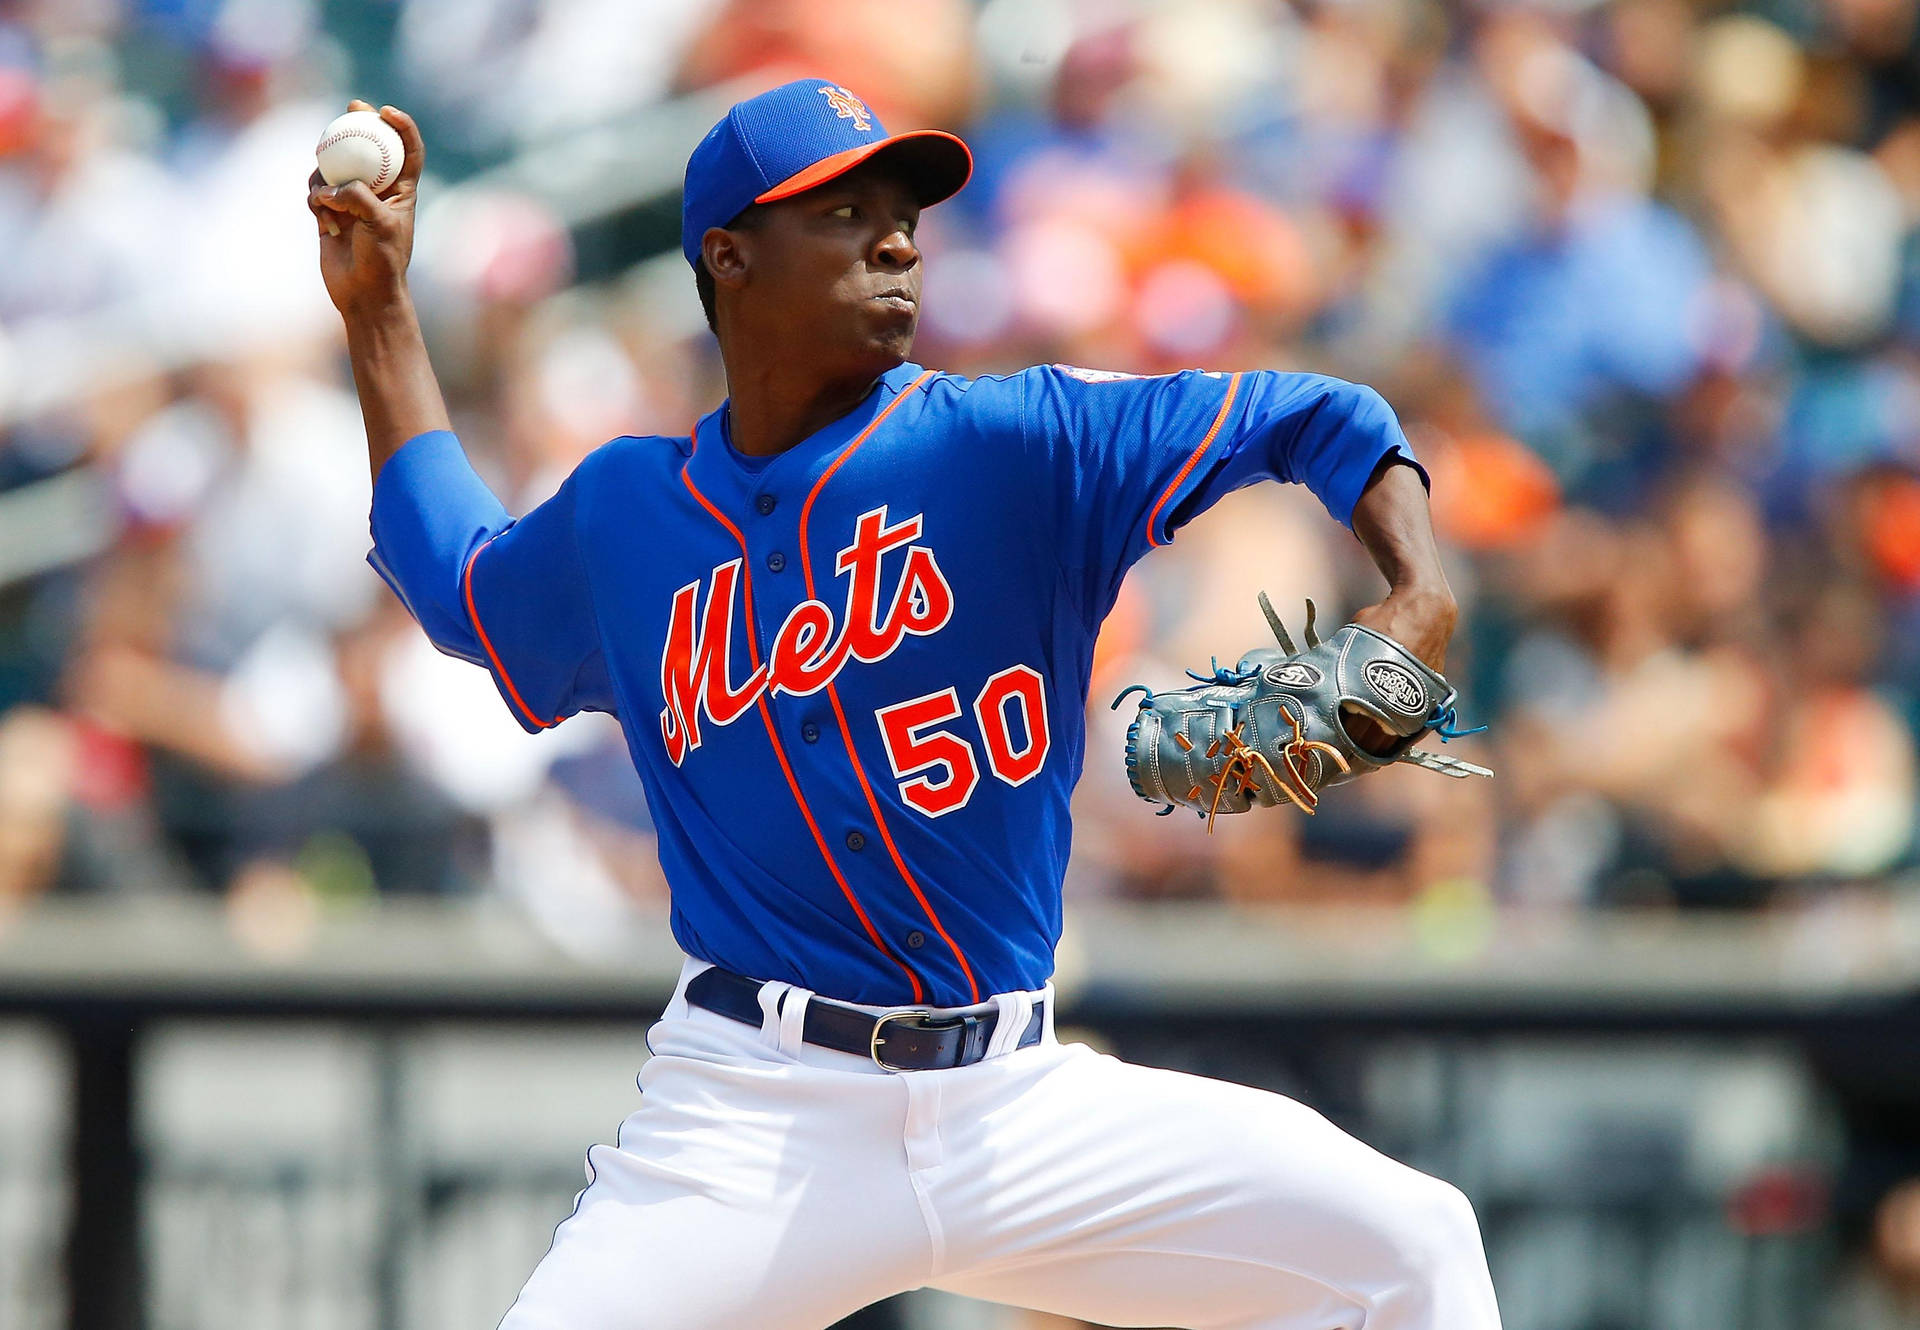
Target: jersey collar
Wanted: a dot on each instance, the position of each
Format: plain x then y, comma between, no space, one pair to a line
719,470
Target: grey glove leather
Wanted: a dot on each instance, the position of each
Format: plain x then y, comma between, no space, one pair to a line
1269,731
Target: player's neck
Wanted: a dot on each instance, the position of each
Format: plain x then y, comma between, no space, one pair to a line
770,410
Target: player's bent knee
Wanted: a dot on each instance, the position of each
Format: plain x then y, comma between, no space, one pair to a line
1434,1241
1453,1230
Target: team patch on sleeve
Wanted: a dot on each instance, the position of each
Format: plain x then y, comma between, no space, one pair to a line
1095,375
1117,375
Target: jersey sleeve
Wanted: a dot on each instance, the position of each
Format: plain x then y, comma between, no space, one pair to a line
508,595
1128,461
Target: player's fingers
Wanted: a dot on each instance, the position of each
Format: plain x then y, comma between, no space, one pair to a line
357,105
322,199
413,147
353,198
328,222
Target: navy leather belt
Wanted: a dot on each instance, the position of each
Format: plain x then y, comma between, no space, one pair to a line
915,1039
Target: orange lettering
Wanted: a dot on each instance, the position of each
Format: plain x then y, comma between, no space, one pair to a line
872,539
695,672
806,655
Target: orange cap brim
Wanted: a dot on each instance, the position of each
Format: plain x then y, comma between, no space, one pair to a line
935,162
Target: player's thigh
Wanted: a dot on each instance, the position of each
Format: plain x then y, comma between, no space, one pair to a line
694,1262
1252,1209
721,1208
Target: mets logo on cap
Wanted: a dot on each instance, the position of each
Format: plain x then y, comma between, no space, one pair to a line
847,106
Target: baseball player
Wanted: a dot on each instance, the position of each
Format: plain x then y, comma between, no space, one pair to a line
847,627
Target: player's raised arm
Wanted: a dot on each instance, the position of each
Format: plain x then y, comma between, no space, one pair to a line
366,243
507,595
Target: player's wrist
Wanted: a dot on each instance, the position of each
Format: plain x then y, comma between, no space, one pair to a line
378,314
1429,596
1421,620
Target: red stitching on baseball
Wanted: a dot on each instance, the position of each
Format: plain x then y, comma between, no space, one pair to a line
386,158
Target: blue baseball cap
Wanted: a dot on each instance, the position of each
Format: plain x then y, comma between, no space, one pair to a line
799,135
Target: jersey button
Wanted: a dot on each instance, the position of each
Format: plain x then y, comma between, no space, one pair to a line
810,732
776,561
856,842
916,940
764,503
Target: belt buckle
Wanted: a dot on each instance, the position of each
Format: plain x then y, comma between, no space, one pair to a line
879,1031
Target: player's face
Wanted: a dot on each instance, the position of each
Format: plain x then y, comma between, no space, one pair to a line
840,261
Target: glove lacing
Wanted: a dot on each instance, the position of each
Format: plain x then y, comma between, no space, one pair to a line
1446,724
1243,758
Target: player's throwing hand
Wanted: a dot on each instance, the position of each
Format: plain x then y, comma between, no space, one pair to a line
366,240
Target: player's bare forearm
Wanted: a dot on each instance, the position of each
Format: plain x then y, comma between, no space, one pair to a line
366,243
1394,522
399,395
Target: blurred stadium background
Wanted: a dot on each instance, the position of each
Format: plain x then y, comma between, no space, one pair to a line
317,975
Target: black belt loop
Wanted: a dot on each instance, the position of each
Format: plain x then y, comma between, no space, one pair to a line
909,1039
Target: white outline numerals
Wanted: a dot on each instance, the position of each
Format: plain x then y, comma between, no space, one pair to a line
910,755
915,757
1017,683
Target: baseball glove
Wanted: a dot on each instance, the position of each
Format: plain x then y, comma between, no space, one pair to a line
1269,730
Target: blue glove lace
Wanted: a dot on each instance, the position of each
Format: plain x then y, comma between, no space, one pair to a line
1446,724
1223,675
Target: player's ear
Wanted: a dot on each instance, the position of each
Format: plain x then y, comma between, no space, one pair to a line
726,257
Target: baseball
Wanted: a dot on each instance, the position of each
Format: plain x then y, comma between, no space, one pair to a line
360,146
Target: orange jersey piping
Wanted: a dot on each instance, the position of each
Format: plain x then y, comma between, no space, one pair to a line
840,715
780,753
473,617
1219,419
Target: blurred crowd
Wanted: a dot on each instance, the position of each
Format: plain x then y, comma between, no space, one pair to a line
1642,279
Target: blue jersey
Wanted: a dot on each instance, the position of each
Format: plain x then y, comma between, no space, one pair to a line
853,677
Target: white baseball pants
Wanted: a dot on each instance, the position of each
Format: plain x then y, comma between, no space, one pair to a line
766,1184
